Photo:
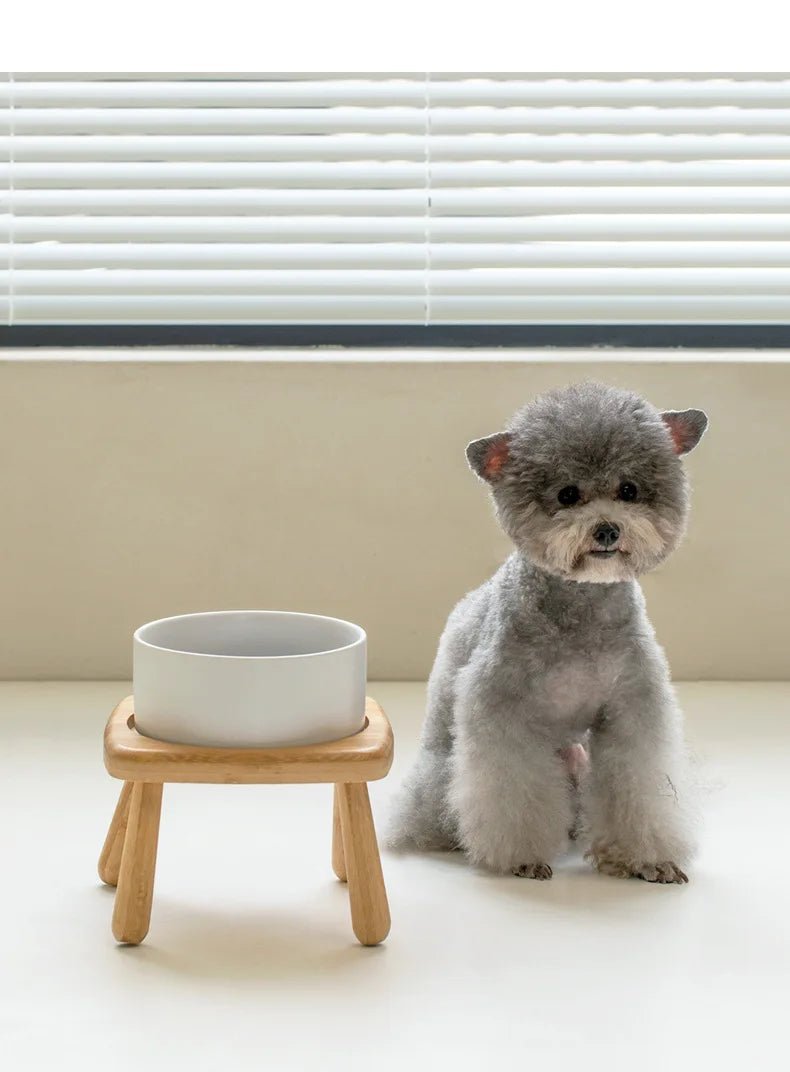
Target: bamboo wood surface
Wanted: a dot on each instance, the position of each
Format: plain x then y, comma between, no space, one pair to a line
110,859
135,892
365,756
338,856
370,914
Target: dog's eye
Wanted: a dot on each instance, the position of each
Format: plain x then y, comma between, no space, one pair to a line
627,492
568,496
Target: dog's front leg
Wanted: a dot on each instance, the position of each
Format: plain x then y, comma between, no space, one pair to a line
511,800
639,806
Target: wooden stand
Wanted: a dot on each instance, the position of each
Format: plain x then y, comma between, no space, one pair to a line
128,859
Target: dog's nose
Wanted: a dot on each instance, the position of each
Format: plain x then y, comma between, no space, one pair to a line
606,534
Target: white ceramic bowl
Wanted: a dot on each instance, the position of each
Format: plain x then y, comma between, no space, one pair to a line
249,678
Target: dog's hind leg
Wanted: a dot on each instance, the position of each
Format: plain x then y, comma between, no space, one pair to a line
420,818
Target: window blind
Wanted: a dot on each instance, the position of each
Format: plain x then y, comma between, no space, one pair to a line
394,199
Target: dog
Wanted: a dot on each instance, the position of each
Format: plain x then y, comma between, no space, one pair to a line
550,708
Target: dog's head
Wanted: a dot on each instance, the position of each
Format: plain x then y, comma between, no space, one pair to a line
588,481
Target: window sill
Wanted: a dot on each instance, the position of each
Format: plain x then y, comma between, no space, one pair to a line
394,355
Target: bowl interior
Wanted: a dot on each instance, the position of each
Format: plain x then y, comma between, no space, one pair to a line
251,634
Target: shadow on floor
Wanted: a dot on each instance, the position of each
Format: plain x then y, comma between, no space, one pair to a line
265,945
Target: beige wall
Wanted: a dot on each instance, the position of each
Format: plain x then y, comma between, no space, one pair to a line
137,486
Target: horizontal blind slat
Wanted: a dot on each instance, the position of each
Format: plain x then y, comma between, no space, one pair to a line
584,91
207,281
711,146
332,90
396,255
625,254
474,173
394,120
613,281
392,173
477,283
636,121
177,78
232,175
531,201
258,93
626,228
213,202
205,309
197,121
473,147
611,309
207,229
216,254
630,228
58,148
536,200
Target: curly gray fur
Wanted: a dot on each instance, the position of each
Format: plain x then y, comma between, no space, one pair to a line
556,651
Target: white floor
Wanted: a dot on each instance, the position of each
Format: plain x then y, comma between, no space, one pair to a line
250,962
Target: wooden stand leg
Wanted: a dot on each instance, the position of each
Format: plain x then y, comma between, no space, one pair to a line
110,859
370,914
135,892
338,857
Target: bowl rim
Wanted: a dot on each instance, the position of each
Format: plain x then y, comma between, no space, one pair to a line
359,640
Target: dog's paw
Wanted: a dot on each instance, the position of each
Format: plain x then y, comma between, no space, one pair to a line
609,865
538,871
665,873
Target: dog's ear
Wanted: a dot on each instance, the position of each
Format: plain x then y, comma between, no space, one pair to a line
686,427
487,456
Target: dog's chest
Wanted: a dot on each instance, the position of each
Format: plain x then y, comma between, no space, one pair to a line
571,679
572,690
572,651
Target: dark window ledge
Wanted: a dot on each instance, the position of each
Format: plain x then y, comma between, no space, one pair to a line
630,336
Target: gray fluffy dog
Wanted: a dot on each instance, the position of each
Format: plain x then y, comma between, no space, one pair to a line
550,708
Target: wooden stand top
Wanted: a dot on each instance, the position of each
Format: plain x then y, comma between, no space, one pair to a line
364,757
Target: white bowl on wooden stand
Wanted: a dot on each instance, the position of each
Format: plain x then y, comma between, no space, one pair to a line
248,698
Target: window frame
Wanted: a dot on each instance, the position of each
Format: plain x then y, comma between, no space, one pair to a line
396,336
